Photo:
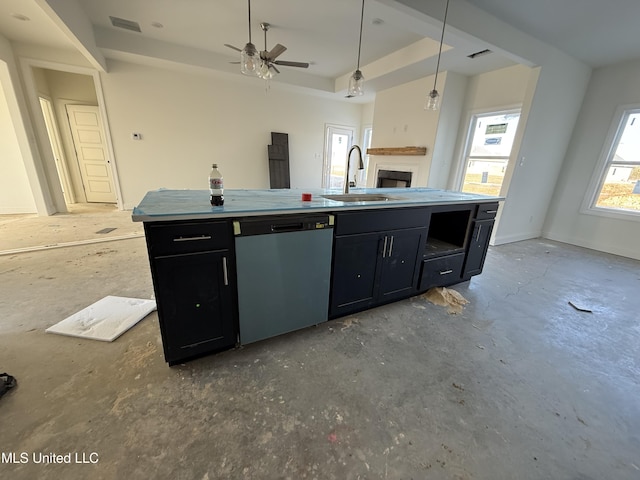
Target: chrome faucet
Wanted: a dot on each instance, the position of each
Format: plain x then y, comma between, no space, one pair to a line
361,167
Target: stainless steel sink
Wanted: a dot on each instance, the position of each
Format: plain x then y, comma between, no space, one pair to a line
362,197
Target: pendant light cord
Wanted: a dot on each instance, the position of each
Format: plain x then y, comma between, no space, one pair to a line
249,2
360,41
444,22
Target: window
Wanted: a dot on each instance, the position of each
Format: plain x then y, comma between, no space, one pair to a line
488,150
618,188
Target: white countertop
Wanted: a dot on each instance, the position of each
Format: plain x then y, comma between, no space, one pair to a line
163,205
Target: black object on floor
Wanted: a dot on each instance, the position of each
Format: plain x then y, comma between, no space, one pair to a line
7,382
106,230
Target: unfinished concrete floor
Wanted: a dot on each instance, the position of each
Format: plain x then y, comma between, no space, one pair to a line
520,385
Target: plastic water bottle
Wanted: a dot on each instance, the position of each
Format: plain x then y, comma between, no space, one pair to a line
216,187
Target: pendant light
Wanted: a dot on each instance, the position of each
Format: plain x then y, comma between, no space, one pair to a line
356,81
434,97
249,56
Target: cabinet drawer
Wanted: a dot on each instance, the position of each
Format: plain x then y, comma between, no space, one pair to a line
441,271
350,223
487,211
187,237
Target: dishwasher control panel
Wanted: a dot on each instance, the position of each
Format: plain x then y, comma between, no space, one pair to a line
281,224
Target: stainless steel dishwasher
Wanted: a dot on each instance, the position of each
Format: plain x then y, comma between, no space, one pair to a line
283,271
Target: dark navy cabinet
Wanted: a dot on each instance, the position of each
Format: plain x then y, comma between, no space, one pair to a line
193,271
374,258
481,229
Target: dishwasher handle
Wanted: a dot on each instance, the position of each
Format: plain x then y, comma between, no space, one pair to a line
287,227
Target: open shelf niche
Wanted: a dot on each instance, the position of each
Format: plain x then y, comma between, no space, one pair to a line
447,232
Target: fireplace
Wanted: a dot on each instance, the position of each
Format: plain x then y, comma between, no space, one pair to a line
394,179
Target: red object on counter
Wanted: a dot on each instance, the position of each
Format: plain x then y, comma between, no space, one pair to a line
306,197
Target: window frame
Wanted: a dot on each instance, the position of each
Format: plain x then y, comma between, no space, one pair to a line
605,160
465,157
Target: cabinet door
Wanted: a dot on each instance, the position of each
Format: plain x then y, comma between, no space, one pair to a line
355,266
477,247
399,263
195,304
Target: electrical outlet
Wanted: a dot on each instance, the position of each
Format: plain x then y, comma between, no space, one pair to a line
136,136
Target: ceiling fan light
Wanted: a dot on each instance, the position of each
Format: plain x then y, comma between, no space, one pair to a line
250,60
432,100
265,72
356,84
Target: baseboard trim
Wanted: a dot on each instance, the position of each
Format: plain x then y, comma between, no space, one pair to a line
501,240
581,242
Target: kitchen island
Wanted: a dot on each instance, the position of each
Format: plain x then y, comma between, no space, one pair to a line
269,262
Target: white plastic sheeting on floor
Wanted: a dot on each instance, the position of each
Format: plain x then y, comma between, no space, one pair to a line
106,319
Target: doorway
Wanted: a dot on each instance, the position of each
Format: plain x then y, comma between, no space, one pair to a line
487,152
338,140
75,144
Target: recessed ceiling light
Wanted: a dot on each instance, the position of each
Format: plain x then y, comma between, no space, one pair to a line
21,17
157,25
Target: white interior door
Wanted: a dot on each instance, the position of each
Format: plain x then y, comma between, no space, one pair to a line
91,150
55,142
338,140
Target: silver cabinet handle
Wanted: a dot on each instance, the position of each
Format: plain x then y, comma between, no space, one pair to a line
190,239
479,230
446,272
391,246
491,211
384,249
224,271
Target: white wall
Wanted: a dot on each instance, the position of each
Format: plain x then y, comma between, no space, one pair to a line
15,193
451,109
492,91
554,94
367,114
16,110
399,120
501,88
609,88
188,121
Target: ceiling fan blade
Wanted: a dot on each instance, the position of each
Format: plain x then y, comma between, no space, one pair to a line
276,52
232,47
292,64
234,63
271,65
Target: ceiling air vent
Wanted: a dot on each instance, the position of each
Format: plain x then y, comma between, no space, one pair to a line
486,51
126,24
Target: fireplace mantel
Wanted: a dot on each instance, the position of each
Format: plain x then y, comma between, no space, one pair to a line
397,151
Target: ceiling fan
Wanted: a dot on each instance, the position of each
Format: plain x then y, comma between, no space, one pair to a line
263,63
